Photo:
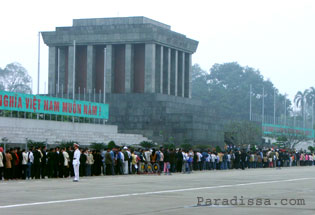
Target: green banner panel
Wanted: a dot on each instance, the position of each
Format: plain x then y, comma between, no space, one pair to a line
286,130
51,105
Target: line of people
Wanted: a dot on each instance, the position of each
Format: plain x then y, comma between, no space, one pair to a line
37,163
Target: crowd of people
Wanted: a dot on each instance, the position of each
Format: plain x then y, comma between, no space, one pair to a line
39,162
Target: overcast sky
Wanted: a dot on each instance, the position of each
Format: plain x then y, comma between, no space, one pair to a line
275,36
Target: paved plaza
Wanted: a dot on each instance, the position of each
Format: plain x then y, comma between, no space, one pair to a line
254,191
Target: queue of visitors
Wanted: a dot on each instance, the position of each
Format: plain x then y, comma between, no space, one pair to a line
37,163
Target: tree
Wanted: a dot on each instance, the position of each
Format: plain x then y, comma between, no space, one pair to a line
294,138
1,81
290,139
244,132
226,90
300,100
14,78
310,97
311,100
200,87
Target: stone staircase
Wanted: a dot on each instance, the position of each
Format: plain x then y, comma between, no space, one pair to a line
19,130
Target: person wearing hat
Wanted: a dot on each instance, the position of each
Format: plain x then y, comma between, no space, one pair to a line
76,162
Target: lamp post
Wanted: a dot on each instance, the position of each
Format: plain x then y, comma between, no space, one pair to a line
104,99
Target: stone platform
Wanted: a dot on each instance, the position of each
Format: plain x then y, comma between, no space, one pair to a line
165,118
16,130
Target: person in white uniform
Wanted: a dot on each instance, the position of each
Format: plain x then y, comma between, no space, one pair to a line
76,162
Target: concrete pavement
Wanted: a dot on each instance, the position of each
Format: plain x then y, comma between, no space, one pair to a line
254,191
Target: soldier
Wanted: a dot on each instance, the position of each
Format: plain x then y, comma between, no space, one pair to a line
76,162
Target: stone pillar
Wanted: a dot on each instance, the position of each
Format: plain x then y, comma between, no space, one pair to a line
159,69
109,68
52,70
62,69
174,62
70,69
181,74
90,68
149,68
188,67
166,70
129,71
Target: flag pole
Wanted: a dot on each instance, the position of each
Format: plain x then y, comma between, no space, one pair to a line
263,106
104,99
38,63
250,102
73,74
274,106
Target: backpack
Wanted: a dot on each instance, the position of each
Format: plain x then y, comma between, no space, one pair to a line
126,156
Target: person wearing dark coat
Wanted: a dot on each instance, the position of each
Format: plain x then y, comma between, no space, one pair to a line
50,168
166,161
44,162
37,162
172,159
237,159
97,163
70,153
82,162
15,159
179,159
108,162
19,164
61,161
243,159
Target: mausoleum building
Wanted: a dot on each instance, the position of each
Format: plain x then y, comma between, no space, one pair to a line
137,54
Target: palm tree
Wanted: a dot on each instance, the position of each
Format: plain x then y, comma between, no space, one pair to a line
300,100
310,95
311,100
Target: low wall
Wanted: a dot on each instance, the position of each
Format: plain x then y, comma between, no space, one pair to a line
55,125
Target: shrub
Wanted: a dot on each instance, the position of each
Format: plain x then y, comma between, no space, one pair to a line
111,145
97,146
186,146
31,143
146,144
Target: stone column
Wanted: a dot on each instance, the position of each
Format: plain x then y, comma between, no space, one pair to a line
52,70
159,69
62,69
166,70
129,71
181,74
174,62
109,69
188,67
90,70
70,69
149,68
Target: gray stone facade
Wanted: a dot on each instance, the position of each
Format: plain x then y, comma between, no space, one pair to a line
162,118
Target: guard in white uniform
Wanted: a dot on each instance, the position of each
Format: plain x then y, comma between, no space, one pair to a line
76,162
